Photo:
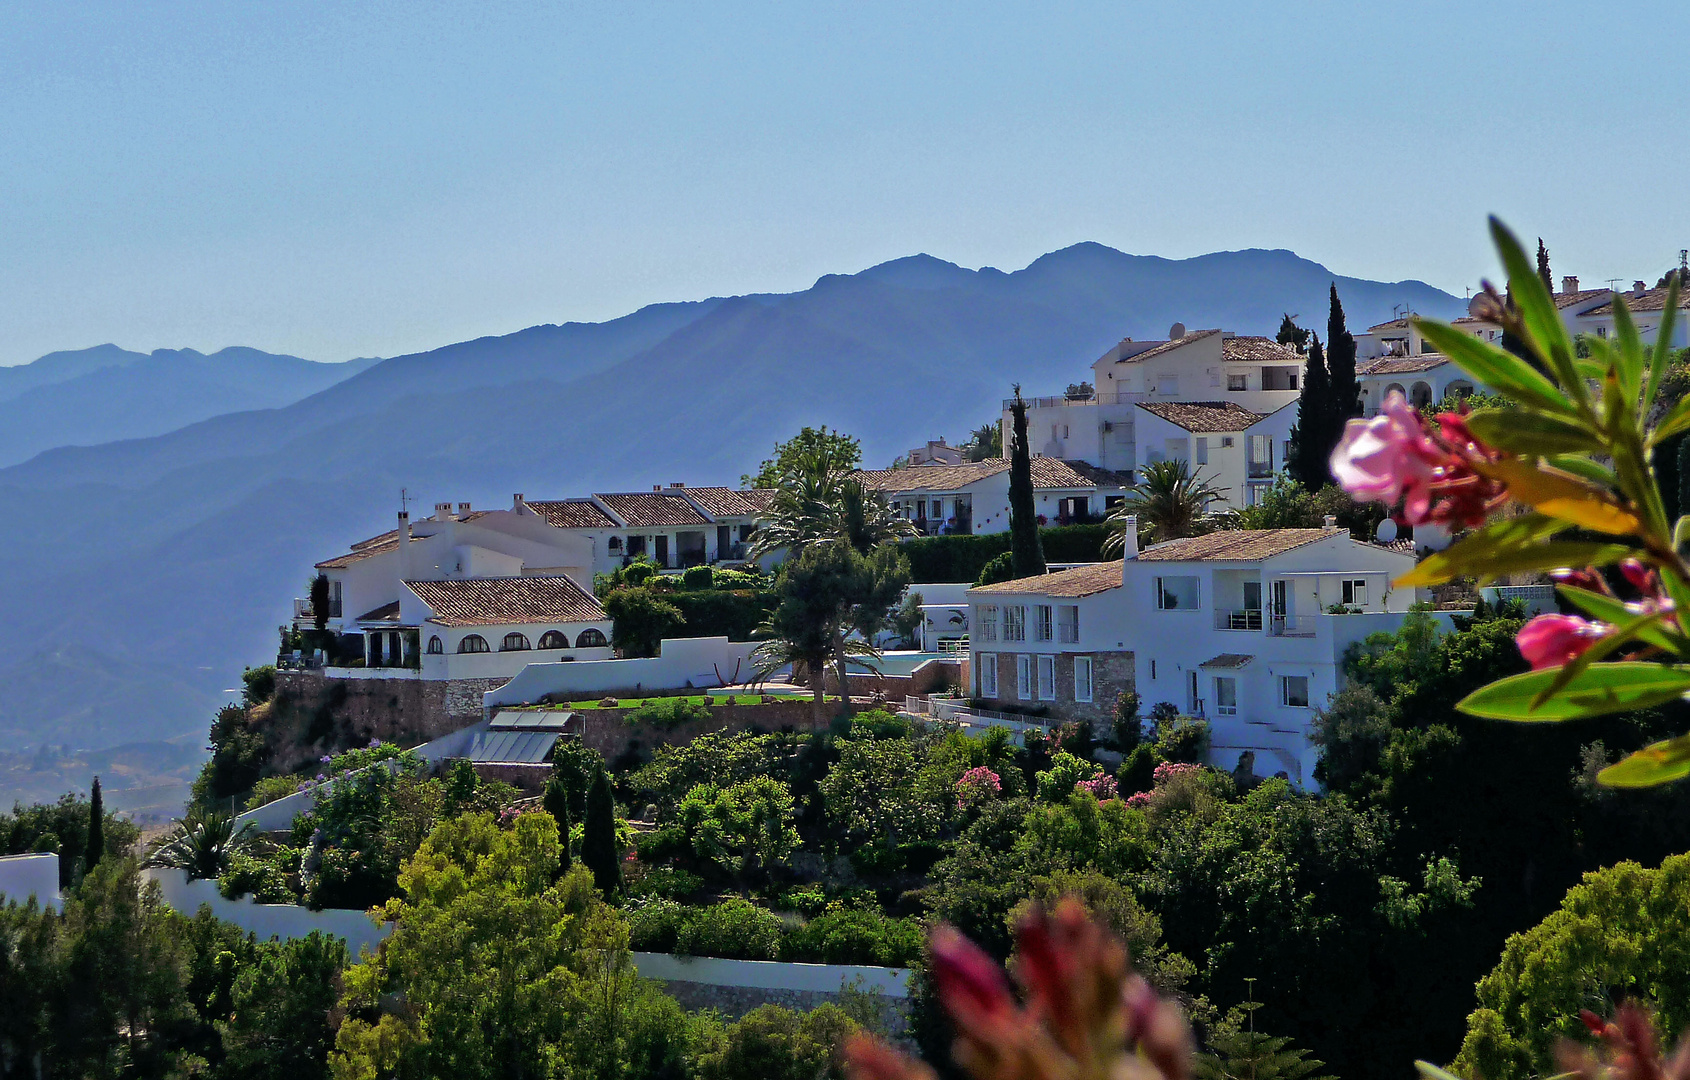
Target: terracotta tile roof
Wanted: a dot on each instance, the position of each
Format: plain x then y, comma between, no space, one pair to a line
1237,545
555,599
1651,300
1069,584
1258,349
1048,473
386,613
387,537
1394,324
572,514
722,501
1570,299
1168,346
375,546
1228,660
652,508
1203,415
759,498
1402,365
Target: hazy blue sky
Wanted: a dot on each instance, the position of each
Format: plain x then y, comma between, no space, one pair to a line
368,179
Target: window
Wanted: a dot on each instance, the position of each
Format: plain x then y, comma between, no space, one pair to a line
938,510
1226,696
1176,593
1082,678
1023,676
988,674
1226,440
514,643
614,543
1279,378
988,620
1041,622
1294,691
1601,331
1015,624
1237,382
1355,591
473,643
1047,678
436,646
1152,671
591,638
1068,623
553,639
1202,451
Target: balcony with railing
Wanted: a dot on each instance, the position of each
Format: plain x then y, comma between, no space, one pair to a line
1238,618
303,609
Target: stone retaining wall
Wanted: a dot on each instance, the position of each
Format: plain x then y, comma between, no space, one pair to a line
609,732
312,713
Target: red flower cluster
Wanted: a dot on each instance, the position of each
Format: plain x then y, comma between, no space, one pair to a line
1085,1012
1628,1050
1398,457
1553,640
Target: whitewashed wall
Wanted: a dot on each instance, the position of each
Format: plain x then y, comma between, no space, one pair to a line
771,975
284,921
681,663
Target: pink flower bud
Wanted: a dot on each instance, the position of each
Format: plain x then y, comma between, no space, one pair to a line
971,984
1552,640
1388,458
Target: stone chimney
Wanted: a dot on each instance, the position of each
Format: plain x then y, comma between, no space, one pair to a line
463,509
1330,521
1569,285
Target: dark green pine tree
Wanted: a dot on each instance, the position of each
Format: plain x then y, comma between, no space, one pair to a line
1027,553
1543,267
1341,367
598,840
555,802
1307,463
1251,1055
96,828
1293,335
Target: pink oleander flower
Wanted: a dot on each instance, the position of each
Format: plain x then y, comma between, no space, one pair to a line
1139,800
975,785
1552,640
1397,457
1168,770
1102,789
1086,1014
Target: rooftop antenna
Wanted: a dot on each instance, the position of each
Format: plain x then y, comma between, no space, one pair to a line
404,501
1613,282
1683,264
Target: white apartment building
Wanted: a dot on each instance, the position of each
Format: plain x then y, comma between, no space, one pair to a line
1121,427
973,497
1246,629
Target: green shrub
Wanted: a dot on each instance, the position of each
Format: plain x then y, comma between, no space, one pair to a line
739,579
667,713
719,612
1000,568
1183,739
655,926
775,1043
697,577
666,843
734,929
962,558
271,788
259,684
1066,770
855,936
665,883
1138,769
265,878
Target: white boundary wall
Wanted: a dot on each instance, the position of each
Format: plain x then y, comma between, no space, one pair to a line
771,975
24,876
285,921
681,663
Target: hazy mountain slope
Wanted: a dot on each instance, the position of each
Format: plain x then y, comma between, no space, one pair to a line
170,560
151,395
57,367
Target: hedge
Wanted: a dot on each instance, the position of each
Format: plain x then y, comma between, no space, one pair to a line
961,558
718,613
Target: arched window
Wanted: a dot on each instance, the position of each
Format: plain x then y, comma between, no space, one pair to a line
1420,396
436,646
1460,388
614,543
1395,388
551,639
591,638
473,643
514,642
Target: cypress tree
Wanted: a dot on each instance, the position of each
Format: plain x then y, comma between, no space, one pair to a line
96,828
1543,267
1341,366
555,802
598,842
1307,463
1027,554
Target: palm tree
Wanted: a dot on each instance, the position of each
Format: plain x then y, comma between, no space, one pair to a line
202,843
823,502
1169,503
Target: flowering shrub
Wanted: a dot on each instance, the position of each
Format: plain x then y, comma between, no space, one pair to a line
1173,770
977,785
1575,451
1138,800
1103,788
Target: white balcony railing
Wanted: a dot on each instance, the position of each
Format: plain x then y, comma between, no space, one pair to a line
302,609
1292,626
1238,618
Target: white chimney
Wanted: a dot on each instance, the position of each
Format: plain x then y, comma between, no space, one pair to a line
1639,287
442,511
516,501
1129,538
1330,521
1569,284
463,509
404,540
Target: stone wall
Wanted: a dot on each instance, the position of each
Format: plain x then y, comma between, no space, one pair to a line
313,714
1112,674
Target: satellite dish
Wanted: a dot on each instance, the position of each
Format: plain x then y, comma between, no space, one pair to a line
1387,530
1473,304
1176,331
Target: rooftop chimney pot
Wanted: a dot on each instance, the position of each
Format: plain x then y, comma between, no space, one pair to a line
1569,285
1129,538
463,508
1331,521
1638,286
442,511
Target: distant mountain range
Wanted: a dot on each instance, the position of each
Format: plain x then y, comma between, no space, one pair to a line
106,393
141,575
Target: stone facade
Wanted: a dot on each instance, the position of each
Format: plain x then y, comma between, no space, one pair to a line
313,714
1112,674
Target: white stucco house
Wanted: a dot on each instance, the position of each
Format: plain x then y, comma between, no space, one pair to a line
973,497
675,526
1241,628
1123,425
1238,451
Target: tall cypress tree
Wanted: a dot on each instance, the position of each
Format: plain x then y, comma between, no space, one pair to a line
598,842
555,802
96,828
1543,267
1341,366
1307,462
1026,552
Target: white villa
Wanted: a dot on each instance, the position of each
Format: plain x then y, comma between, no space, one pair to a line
676,527
1246,629
1242,392
974,497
